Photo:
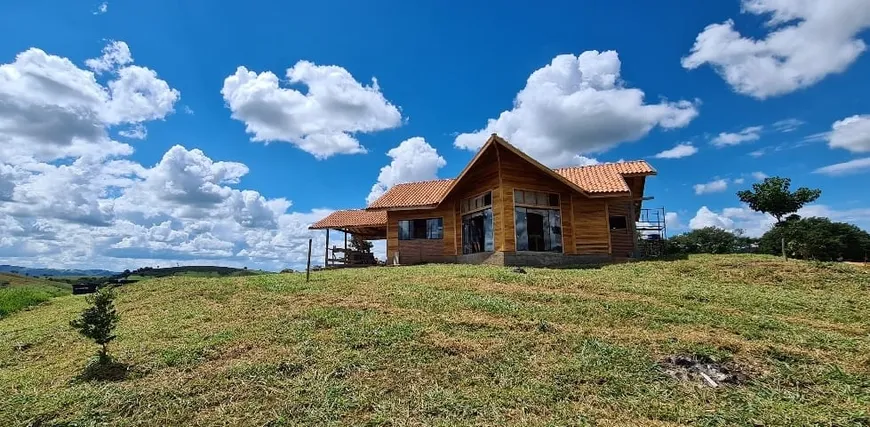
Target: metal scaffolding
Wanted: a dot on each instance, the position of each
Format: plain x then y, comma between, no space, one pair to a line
652,232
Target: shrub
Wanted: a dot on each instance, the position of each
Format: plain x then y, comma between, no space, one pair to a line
709,240
817,238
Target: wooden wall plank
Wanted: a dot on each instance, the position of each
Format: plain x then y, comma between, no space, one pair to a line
622,241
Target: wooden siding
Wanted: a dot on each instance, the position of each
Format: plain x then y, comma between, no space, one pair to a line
591,228
443,246
622,241
519,174
482,177
419,251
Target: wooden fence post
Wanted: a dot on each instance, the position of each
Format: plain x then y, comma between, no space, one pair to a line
308,268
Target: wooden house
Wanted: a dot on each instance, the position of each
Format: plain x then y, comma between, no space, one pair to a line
506,208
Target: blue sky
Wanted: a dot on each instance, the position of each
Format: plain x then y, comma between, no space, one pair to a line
110,177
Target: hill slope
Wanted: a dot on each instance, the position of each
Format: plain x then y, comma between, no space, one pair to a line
460,345
18,292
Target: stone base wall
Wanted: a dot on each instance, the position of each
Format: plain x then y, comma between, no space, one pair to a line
549,259
529,259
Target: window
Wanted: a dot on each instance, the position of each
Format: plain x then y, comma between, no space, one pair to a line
431,228
536,198
618,223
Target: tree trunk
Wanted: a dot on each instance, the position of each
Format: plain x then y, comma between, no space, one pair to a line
783,249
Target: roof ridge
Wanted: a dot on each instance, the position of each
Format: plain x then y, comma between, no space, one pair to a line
424,181
602,164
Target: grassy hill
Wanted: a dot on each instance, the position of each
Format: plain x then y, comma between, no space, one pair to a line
460,345
18,292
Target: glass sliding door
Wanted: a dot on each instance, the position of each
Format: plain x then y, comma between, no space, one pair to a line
538,224
477,230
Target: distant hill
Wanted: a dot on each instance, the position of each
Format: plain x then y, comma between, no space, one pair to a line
54,272
193,270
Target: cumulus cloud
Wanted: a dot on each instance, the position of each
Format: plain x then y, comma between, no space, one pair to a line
679,151
70,197
413,160
754,224
725,139
851,133
714,186
115,54
51,109
321,121
578,105
807,41
846,168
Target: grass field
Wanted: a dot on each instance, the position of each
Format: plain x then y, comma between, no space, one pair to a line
19,292
459,345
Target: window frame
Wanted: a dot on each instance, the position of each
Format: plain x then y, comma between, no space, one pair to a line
610,222
426,229
545,207
547,198
463,210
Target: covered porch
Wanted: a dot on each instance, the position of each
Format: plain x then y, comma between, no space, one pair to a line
368,225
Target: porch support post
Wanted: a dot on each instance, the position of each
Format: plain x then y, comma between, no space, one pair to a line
326,252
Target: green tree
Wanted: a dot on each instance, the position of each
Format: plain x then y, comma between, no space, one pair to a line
772,196
709,240
818,238
359,244
98,321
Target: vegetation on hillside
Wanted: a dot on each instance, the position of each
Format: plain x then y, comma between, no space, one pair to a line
460,345
19,292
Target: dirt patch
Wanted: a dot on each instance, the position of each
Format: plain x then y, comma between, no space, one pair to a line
700,369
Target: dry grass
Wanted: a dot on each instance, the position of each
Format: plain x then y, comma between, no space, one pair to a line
459,345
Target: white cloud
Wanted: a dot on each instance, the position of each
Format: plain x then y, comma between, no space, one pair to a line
759,176
758,153
413,160
787,125
679,151
807,41
725,139
52,109
851,133
102,8
672,221
846,168
754,224
137,95
739,181
585,161
137,131
578,105
707,218
115,54
322,121
711,187
69,197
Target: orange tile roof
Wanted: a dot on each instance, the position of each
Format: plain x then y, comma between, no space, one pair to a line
607,177
351,219
413,194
